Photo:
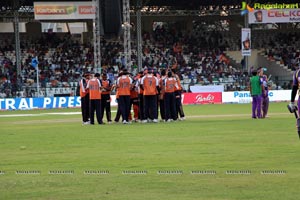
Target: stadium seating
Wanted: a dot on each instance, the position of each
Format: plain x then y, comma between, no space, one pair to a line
63,60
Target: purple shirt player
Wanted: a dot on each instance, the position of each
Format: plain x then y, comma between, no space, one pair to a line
265,92
296,86
265,95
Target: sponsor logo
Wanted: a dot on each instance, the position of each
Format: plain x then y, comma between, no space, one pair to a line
201,98
284,13
55,10
241,94
267,6
246,8
247,94
86,10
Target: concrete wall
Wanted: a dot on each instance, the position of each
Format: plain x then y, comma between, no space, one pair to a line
279,73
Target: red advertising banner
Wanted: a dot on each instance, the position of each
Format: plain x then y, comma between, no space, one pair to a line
202,98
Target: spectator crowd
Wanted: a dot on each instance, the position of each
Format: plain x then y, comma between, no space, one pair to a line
198,57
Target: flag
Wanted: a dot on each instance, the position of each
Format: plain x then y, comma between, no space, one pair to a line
224,59
34,62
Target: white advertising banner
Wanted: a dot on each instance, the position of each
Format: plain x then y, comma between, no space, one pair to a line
63,10
274,16
246,42
206,88
245,97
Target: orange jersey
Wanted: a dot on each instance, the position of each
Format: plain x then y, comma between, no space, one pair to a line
94,88
124,85
106,85
149,83
170,84
82,86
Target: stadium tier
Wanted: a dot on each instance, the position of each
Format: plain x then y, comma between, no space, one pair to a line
204,48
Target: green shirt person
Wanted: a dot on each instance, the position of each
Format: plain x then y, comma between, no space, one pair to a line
256,89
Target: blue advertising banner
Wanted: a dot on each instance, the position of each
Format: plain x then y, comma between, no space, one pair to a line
39,103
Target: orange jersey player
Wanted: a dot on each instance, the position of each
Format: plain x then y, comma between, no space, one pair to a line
85,98
140,96
150,85
124,85
94,86
161,94
179,108
134,101
105,97
170,85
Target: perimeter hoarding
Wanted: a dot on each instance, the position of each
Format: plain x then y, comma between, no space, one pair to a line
39,103
202,98
63,10
187,98
274,16
73,102
245,97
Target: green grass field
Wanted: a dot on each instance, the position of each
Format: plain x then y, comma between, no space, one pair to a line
218,153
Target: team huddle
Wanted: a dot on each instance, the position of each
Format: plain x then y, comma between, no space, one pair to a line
147,92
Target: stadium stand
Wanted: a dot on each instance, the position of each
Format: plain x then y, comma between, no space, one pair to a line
63,57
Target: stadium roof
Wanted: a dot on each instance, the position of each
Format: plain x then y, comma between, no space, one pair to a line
187,4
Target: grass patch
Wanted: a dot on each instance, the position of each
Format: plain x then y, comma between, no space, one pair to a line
215,138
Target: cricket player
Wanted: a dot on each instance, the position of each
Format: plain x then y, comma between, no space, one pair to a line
170,85
265,94
140,96
256,90
296,87
105,97
178,91
124,85
149,84
162,94
94,86
85,98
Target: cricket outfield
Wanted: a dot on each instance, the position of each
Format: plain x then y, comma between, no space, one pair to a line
217,153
